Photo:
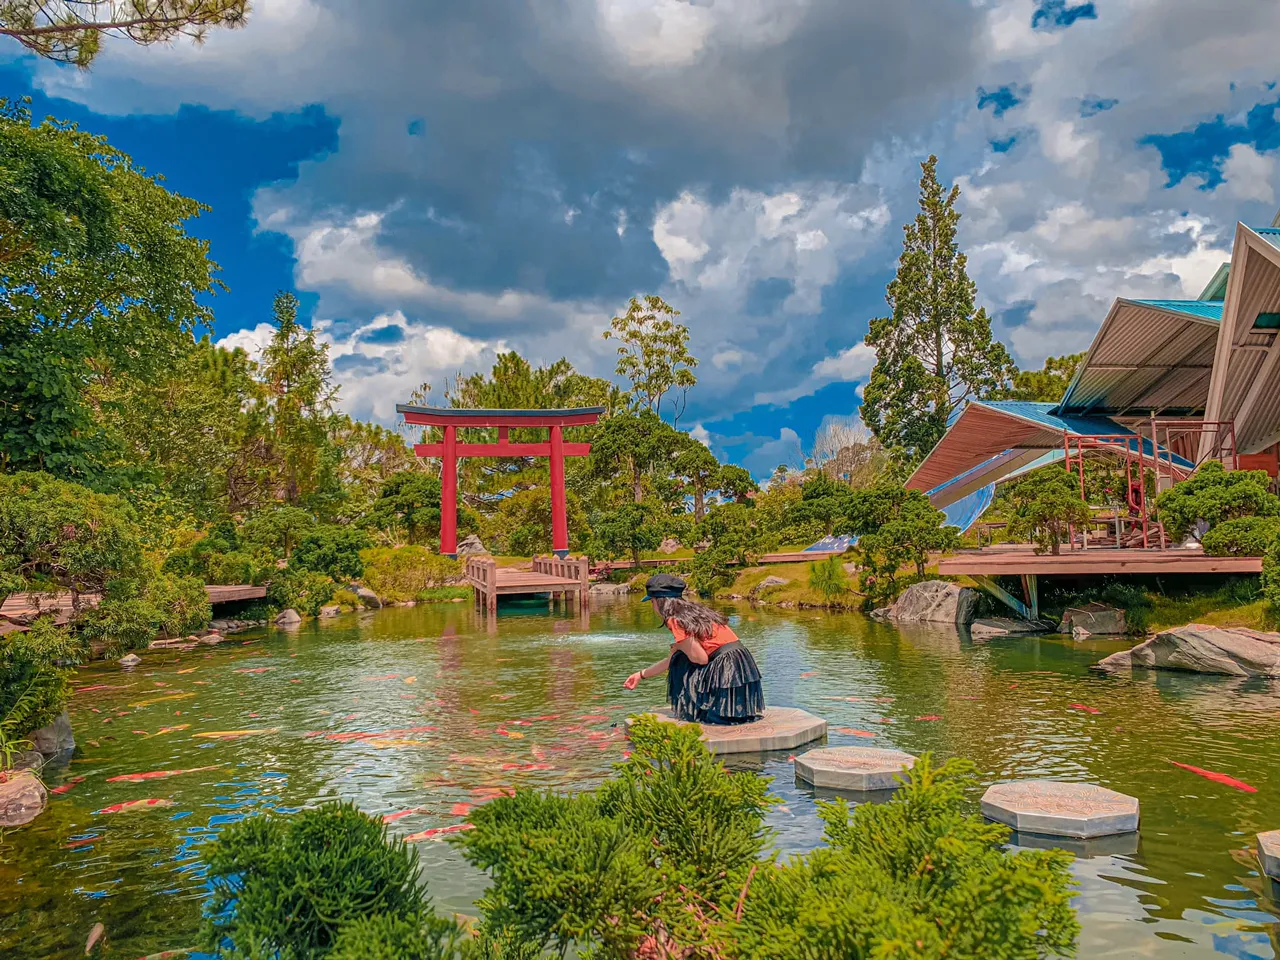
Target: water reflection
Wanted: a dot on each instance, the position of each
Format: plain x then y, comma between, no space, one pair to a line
418,714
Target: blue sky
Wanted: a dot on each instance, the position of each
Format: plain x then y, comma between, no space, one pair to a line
440,181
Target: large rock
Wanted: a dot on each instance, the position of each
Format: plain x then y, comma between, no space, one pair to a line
54,739
990,627
1199,648
669,545
932,601
1092,619
605,589
332,610
768,582
470,546
22,798
288,618
367,596
129,660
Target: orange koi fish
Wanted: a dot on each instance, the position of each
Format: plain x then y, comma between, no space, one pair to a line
929,717
255,670
67,787
172,696
155,775
393,817
436,832
134,805
1082,708
234,734
856,733
1217,777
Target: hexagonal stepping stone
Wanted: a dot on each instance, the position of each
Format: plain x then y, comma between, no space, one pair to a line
1269,853
853,768
1057,809
781,728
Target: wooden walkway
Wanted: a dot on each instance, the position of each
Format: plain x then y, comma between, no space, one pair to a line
550,575
1022,559
797,556
19,608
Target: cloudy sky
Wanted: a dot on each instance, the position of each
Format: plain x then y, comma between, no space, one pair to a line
442,180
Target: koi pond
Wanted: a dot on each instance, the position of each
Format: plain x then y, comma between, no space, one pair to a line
417,714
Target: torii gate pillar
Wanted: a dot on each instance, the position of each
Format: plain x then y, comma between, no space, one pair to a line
450,450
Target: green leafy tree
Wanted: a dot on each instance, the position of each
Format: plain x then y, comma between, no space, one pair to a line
115,290
522,522
296,374
1242,537
1044,504
277,529
911,529
736,484
628,530
1047,385
71,31
1213,495
701,471
653,353
332,550
935,350
410,498
402,573
628,447
305,591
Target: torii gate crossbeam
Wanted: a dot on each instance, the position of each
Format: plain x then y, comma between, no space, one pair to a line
450,450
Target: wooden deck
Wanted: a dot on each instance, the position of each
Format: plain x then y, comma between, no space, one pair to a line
550,575
797,556
1021,559
20,607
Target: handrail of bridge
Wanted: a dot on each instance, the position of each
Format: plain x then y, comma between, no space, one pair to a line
566,568
482,571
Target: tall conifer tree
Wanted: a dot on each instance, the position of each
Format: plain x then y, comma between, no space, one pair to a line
934,351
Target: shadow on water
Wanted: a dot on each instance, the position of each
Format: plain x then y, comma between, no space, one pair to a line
418,714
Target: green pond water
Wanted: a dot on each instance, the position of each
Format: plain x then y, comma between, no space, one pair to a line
431,709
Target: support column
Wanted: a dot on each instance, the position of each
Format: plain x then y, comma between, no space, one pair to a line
449,494
559,518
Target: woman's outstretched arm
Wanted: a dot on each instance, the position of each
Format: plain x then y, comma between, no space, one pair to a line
653,670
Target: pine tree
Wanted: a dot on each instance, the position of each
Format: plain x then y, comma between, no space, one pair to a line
934,352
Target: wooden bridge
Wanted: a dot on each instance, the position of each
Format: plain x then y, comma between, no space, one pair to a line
19,609
550,575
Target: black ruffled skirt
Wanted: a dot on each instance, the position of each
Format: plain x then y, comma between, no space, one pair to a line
725,690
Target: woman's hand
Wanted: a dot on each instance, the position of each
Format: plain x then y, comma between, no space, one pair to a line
633,681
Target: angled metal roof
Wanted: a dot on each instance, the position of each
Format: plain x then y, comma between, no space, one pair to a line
992,440
1269,234
1149,356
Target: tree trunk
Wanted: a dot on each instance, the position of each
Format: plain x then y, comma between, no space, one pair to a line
699,502
636,489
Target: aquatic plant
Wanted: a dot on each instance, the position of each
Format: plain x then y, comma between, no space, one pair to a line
668,859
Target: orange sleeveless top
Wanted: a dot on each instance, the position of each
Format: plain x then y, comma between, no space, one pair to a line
713,643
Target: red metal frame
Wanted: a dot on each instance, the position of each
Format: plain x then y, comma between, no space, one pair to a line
449,450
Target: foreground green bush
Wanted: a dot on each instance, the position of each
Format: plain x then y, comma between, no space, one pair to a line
1241,537
33,688
1214,495
669,858
403,573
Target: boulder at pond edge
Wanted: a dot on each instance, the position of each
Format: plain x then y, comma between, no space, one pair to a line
22,798
932,601
470,546
1200,648
288,618
1093,619
54,739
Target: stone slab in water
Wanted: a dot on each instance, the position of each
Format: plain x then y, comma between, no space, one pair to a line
1054,808
781,728
1199,648
1115,845
1092,619
1003,627
932,601
1269,853
853,768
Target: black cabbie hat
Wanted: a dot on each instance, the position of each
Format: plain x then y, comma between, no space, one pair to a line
663,585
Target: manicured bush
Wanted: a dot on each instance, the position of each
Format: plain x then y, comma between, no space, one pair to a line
402,573
713,570
905,528
332,550
287,886
626,532
1045,504
669,859
1215,494
1241,537
301,590
383,936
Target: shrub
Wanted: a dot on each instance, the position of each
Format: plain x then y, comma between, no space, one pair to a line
234,567
1241,537
1271,575
713,570
907,529
1214,495
401,573
1044,504
626,531
828,578
33,688
287,886
669,858
332,550
383,936
301,590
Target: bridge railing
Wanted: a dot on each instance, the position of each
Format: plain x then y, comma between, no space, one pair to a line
482,572
566,568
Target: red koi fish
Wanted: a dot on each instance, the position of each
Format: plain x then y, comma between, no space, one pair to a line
1081,707
102,686
393,817
255,670
1217,777
389,676
811,673
76,844
929,717
67,787
134,805
155,775
436,832
460,809
856,733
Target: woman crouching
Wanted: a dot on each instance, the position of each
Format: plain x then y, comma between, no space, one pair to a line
711,677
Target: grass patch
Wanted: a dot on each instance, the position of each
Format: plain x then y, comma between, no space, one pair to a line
443,594
796,590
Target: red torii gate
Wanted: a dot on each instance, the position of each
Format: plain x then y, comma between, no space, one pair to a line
449,420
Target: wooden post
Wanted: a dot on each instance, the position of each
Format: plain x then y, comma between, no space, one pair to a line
559,518
584,580
449,494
